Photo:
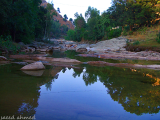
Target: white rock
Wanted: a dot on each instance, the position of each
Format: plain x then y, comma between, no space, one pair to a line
2,58
34,66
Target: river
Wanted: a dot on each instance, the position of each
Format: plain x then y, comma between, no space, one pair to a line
81,93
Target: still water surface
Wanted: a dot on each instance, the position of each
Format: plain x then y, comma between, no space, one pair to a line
82,93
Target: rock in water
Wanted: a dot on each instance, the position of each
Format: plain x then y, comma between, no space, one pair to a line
34,66
34,73
2,58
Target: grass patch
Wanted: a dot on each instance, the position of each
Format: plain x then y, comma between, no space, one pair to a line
146,37
7,44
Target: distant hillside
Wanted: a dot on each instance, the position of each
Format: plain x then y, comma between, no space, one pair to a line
59,17
44,3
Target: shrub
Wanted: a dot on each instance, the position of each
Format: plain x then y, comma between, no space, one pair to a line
127,41
124,33
114,33
6,43
130,32
126,28
136,43
70,35
158,37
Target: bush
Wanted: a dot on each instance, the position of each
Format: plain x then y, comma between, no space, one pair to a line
124,33
136,43
70,35
130,32
127,42
114,33
126,28
6,43
158,37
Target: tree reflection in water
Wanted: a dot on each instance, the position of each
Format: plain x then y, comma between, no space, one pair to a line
134,90
19,92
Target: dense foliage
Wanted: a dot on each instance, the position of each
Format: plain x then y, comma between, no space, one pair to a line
26,20
123,15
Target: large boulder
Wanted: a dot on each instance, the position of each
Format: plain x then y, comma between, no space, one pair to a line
34,66
82,50
86,46
109,45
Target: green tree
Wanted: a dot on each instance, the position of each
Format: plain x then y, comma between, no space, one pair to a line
70,35
65,17
19,18
70,19
79,21
49,20
58,10
80,24
92,16
40,24
132,12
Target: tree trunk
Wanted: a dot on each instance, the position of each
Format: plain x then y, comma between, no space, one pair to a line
45,29
131,27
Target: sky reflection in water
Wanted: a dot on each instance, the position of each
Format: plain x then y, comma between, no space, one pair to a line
70,98
86,93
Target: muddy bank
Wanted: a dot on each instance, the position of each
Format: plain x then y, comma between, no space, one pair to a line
143,55
61,62
43,58
136,48
124,65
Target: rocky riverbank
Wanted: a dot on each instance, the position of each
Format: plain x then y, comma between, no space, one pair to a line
108,49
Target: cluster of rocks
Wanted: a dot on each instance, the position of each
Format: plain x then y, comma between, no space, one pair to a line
48,47
36,46
108,49
116,44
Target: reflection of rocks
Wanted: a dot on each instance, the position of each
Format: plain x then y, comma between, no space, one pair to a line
34,73
55,70
34,66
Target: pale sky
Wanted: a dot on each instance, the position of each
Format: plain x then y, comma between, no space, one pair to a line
70,7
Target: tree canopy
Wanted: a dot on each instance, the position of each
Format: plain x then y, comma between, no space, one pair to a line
27,20
122,14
